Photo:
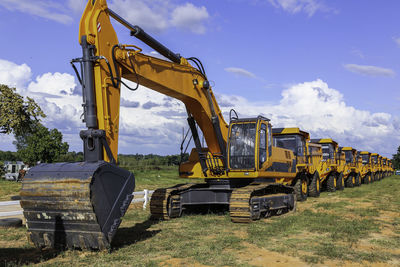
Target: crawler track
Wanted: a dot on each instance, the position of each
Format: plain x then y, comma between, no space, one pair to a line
165,202
259,200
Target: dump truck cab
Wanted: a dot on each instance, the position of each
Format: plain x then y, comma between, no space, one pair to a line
295,140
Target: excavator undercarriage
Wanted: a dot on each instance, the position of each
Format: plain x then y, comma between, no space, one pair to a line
245,203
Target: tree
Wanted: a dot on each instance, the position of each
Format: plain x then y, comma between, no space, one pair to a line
17,114
2,172
41,144
396,159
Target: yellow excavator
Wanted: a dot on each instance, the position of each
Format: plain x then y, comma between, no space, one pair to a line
80,205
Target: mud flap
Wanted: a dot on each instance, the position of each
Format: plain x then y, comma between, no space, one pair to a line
75,205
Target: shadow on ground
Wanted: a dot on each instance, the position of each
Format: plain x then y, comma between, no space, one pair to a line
129,235
25,256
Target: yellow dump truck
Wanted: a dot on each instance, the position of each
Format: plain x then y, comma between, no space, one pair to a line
328,168
341,168
307,158
380,167
352,167
384,167
375,166
366,167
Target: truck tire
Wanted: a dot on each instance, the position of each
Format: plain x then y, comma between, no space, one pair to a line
10,222
301,189
366,179
340,182
314,188
331,183
350,181
358,180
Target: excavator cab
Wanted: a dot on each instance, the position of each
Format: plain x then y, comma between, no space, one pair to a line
249,143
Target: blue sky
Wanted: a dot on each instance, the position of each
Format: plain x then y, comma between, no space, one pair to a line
329,67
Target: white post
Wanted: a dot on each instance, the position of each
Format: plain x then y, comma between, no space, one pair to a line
146,198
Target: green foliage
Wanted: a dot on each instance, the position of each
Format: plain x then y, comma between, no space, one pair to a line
396,159
2,172
70,157
17,114
141,162
8,156
8,189
41,144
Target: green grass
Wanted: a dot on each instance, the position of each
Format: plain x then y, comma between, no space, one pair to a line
392,242
8,189
327,228
152,179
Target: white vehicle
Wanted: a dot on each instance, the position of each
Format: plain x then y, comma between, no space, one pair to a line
397,172
13,170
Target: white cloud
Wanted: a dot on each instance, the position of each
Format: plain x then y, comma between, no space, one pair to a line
320,110
159,15
240,71
153,129
310,7
54,93
14,75
370,70
190,17
46,9
57,84
150,15
77,5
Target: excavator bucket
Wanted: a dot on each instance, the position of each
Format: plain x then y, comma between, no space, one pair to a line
75,205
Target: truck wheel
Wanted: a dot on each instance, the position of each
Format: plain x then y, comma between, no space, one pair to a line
358,181
366,179
314,189
10,222
350,181
301,189
331,183
340,182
